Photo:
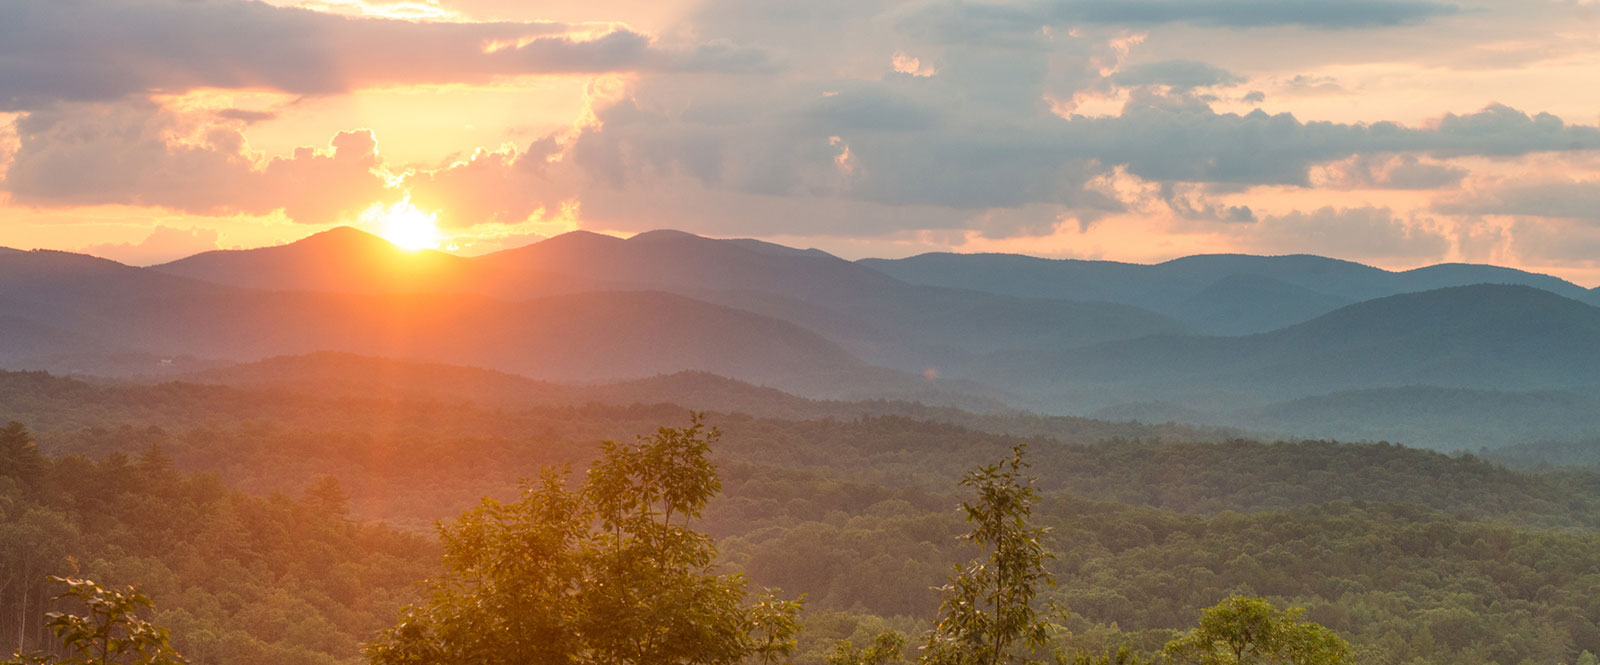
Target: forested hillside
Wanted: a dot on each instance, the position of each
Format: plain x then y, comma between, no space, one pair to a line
1414,556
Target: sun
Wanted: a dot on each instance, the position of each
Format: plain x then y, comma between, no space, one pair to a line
405,225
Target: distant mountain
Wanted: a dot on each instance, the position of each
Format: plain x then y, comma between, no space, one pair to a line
28,344
880,318
61,282
673,313
349,375
343,260
1432,417
1180,288
1243,304
581,337
152,318
344,375
877,318
67,313
1483,337
348,260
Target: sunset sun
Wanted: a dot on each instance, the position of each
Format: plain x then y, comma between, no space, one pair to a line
405,225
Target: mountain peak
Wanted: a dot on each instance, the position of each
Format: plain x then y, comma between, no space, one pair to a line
665,235
342,236
342,260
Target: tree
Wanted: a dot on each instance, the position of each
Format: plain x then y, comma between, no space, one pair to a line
885,649
110,633
19,455
327,496
610,573
1245,631
988,605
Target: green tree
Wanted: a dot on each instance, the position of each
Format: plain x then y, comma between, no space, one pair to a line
988,606
19,455
1245,631
109,633
885,648
610,573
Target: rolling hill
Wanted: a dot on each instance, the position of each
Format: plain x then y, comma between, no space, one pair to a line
346,375
1302,285
149,316
1483,337
878,318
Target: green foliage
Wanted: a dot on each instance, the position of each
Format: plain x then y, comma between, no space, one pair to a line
988,605
1247,631
1414,556
19,455
610,573
110,632
886,648
1124,655
244,580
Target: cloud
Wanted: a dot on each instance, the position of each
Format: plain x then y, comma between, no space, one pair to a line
1321,14
1387,171
1160,140
1557,198
491,186
162,245
99,50
138,153
1556,241
246,116
836,141
910,141
1364,233
1001,22
1179,75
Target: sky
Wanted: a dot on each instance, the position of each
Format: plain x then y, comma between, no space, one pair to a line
1397,133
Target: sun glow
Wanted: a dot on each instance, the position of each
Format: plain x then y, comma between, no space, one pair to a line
405,225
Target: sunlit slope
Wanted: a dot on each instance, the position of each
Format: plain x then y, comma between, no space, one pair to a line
1476,337
348,260
1188,288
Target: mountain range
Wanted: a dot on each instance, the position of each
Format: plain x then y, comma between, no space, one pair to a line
1224,294
1225,339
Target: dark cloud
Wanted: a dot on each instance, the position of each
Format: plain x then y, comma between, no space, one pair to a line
1191,202
97,50
996,23
1179,75
1189,142
1252,13
901,143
